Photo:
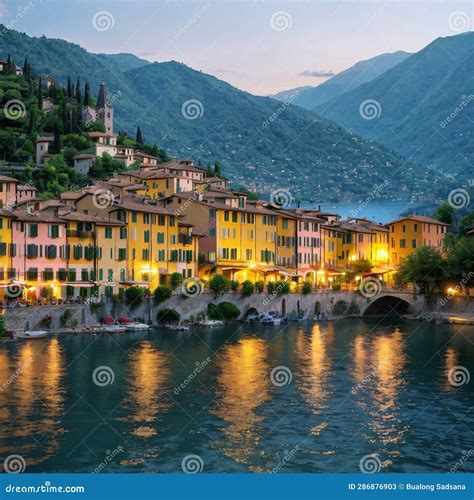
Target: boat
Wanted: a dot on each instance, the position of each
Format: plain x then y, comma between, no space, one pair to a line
115,328
251,318
210,322
31,334
136,326
269,319
124,321
177,328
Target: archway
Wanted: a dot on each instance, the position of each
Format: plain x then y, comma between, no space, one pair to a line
317,309
283,308
250,313
387,306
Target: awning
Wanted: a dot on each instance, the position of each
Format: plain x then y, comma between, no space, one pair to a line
76,284
134,282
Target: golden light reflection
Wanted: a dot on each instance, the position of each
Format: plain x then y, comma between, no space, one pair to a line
149,371
36,375
243,384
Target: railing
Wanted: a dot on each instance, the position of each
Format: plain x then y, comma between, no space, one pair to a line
73,233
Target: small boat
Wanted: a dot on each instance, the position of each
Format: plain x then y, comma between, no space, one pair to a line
135,325
177,328
115,328
251,318
31,334
210,323
269,319
124,321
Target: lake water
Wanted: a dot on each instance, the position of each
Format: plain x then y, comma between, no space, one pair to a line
357,388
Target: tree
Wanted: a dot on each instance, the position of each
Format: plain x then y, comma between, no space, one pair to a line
78,92
162,293
40,94
247,288
57,139
168,315
26,69
223,311
176,280
361,266
219,284
234,285
87,95
307,287
461,261
139,137
426,268
135,295
445,213
69,87
466,223
218,169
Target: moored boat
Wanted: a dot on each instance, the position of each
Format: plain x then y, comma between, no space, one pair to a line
31,334
177,328
115,328
135,325
210,323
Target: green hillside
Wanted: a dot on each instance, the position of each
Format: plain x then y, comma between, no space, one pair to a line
425,103
263,144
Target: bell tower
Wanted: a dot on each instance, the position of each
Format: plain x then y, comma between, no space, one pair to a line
105,109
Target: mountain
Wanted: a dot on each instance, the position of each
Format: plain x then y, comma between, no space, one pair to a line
362,72
263,143
123,61
423,106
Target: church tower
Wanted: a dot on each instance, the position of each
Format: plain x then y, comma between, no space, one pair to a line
104,109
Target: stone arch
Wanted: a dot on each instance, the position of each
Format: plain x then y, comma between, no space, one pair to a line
317,309
251,311
283,307
387,305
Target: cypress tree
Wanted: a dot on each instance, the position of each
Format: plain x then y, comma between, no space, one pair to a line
69,87
87,95
217,169
40,93
139,136
57,139
78,92
25,69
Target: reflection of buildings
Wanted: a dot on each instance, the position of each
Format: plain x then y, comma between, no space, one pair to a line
36,388
148,375
242,386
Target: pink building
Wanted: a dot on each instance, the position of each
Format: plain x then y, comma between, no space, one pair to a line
39,253
308,239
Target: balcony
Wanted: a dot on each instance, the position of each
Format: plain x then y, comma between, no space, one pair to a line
72,233
185,239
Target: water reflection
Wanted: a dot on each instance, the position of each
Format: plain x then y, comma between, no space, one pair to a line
34,383
243,384
148,375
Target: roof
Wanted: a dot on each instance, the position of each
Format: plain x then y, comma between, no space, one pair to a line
26,187
103,97
140,207
84,157
23,215
418,218
4,178
45,138
145,155
82,217
70,195
100,134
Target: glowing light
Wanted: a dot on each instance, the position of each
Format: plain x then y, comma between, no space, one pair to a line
252,266
357,278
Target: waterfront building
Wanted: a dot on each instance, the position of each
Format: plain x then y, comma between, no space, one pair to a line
8,189
412,232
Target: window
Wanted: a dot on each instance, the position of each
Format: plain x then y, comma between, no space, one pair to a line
248,254
123,233
3,249
84,275
77,252
284,223
212,231
160,237
233,253
53,231
416,228
134,216
226,215
51,251
146,236
234,216
212,213
413,244
108,233
33,230
48,274
145,254
161,220
161,255
32,274
122,253
146,218
172,218
32,251
402,243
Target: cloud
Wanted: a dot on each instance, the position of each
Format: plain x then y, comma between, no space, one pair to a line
317,73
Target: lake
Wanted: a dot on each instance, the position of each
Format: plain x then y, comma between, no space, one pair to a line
307,397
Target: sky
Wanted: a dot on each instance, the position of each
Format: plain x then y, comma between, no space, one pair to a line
260,46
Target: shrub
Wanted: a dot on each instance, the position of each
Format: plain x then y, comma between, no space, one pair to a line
224,311
176,280
162,293
135,295
271,286
247,288
259,286
234,285
65,317
282,287
340,308
168,315
219,284
307,287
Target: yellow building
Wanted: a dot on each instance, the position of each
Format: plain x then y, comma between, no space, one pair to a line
412,232
6,268
158,183
286,244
